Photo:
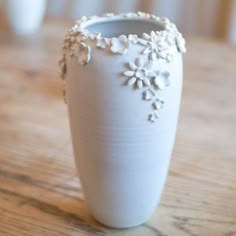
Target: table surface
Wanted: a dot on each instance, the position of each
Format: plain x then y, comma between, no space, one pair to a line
39,190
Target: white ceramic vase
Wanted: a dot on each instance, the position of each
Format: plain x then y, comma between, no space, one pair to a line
25,16
123,95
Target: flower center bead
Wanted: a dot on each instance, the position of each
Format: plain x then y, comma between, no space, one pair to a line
141,73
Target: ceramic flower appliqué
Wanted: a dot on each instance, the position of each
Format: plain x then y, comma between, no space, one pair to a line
100,41
62,65
180,42
161,46
161,80
156,104
120,45
133,38
139,74
156,45
143,14
82,53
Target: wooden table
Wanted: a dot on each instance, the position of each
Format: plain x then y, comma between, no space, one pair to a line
39,189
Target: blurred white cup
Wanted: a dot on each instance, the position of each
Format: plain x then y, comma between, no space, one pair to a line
25,16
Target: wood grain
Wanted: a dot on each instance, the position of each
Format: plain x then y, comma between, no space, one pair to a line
39,190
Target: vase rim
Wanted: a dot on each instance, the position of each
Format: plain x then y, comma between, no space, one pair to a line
85,25
163,43
82,25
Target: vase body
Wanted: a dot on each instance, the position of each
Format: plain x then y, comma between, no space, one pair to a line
25,16
122,158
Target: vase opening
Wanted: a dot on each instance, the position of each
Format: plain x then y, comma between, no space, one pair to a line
115,28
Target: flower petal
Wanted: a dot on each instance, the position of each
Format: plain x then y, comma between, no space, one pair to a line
146,82
132,81
84,54
156,114
95,35
181,43
153,116
129,73
146,36
158,81
157,105
153,35
102,43
152,56
115,45
123,38
147,95
123,51
113,49
120,45
133,38
140,84
147,50
143,42
132,66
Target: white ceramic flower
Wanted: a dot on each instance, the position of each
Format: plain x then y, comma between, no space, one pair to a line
102,42
144,14
153,117
109,14
153,45
151,95
148,95
165,20
171,28
138,74
83,53
161,80
180,42
82,19
157,45
129,14
80,37
133,38
66,44
120,45
158,104
155,17
94,35
170,39
62,65
74,29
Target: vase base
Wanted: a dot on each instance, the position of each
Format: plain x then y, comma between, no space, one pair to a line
121,224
